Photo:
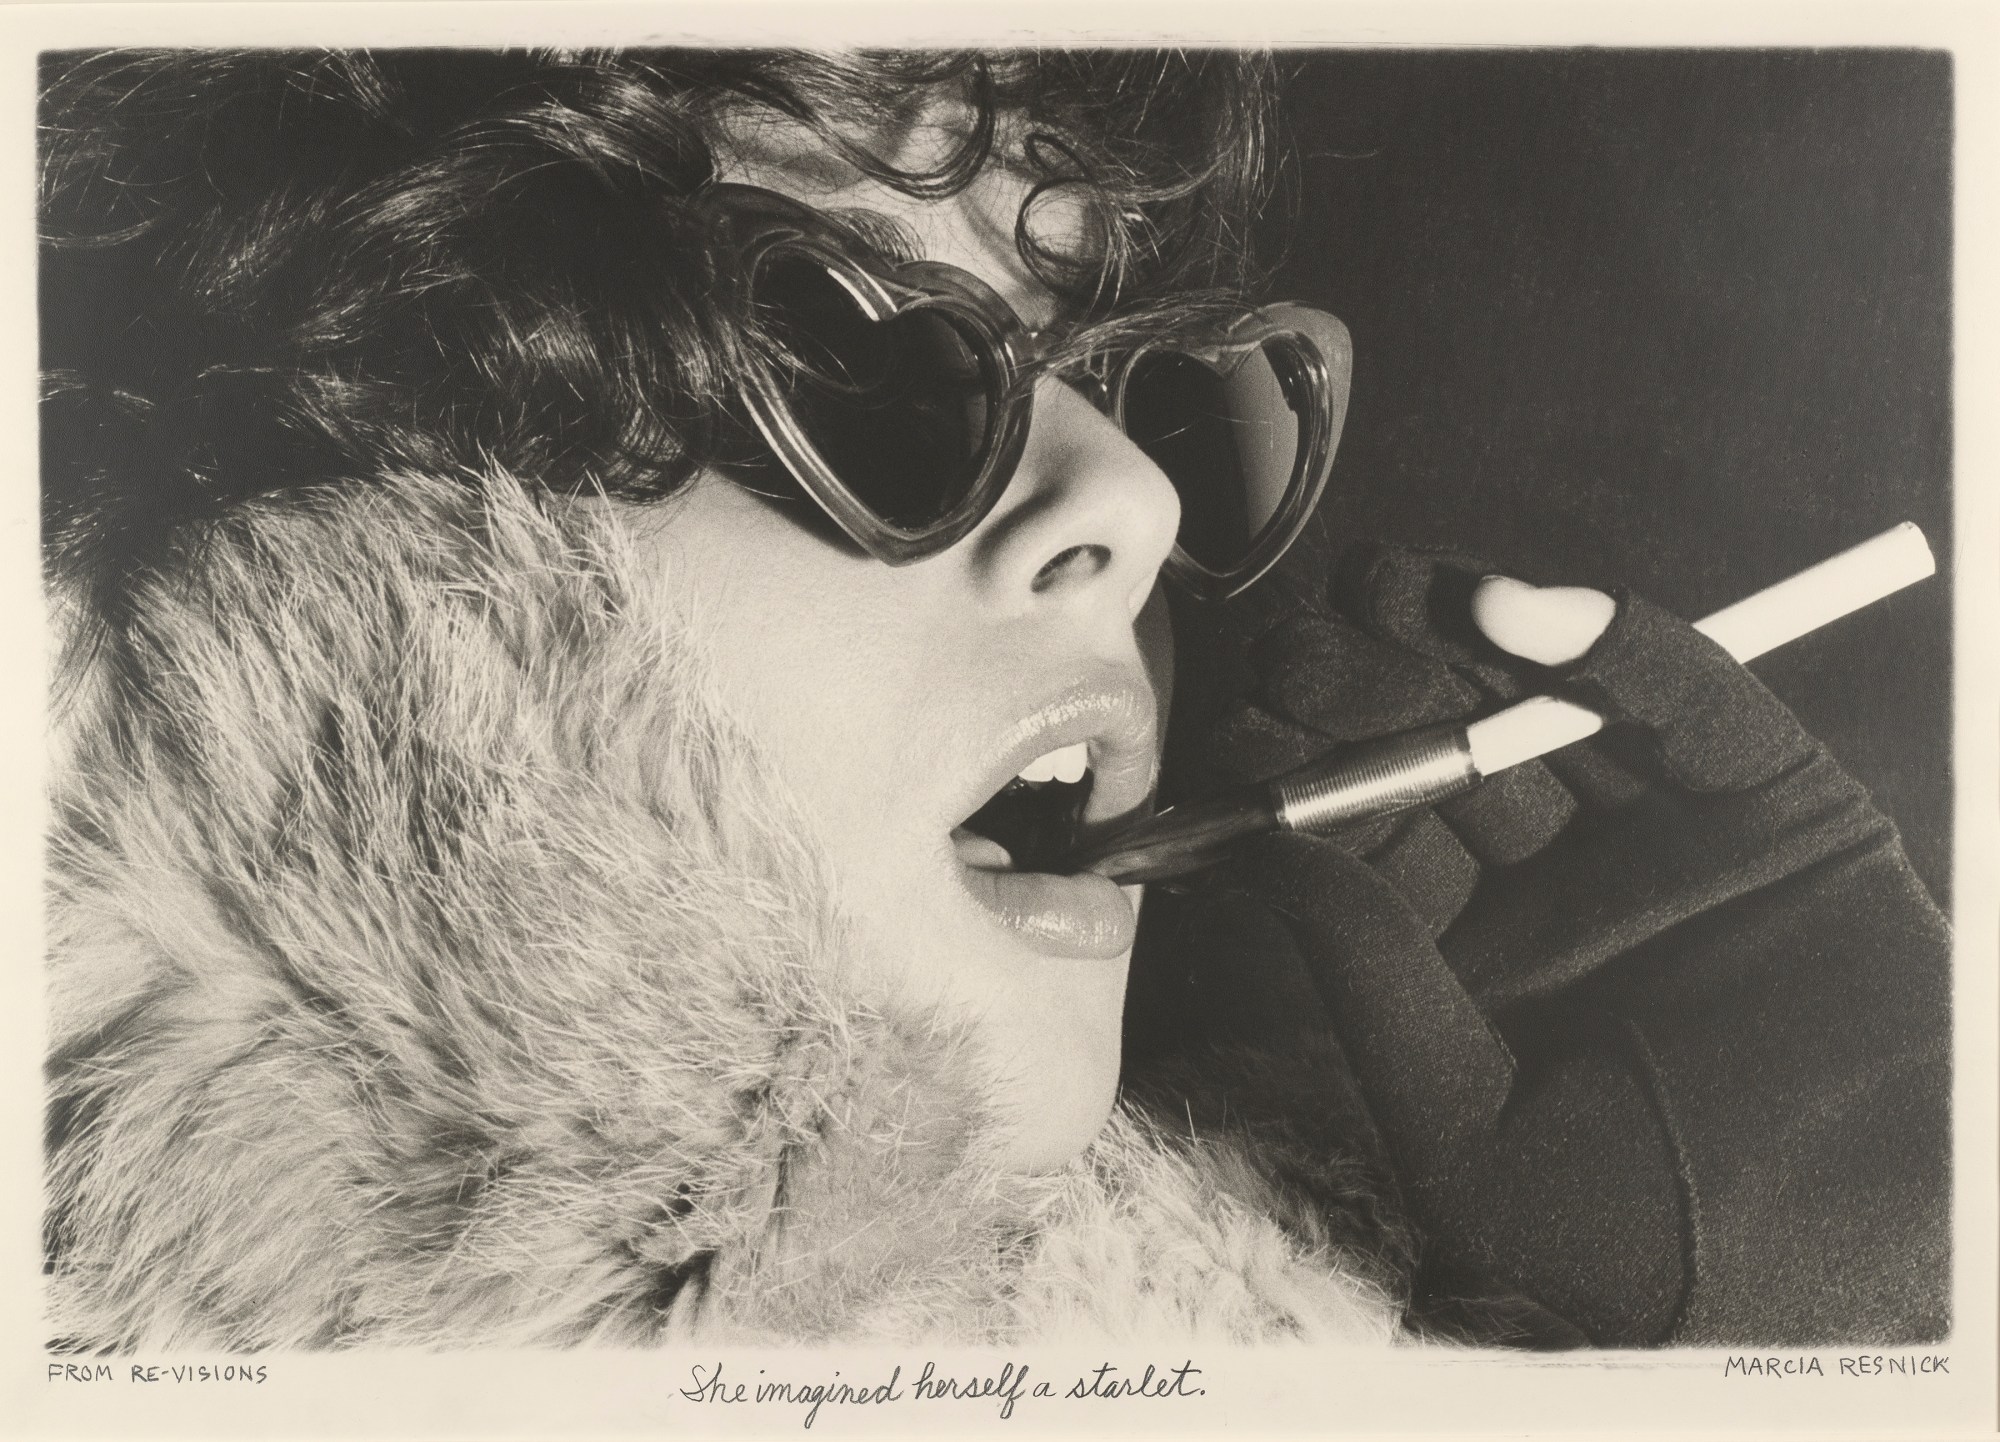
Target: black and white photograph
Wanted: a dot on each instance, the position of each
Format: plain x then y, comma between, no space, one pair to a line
1047,733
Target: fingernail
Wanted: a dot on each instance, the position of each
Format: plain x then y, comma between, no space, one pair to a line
1549,625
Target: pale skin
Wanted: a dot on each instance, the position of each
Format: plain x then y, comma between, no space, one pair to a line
881,695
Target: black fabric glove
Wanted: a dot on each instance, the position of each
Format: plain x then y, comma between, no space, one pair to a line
1656,1031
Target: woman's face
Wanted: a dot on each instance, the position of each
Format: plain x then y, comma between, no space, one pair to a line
895,701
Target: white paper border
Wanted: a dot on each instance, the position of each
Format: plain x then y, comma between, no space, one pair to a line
1269,1390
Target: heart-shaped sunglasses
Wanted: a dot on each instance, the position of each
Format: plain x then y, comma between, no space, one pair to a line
898,395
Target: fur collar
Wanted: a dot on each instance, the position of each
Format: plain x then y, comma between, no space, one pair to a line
430,965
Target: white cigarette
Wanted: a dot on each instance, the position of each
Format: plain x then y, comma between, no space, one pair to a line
1752,626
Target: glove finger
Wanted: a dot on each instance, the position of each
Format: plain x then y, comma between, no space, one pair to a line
1323,681
1596,776
1422,601
1427,864
1321,672
1251,745
1510,816
1435,1072
1713,725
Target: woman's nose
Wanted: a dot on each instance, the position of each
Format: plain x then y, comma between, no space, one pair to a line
1087,520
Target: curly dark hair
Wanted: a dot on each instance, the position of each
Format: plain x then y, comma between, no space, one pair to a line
267,271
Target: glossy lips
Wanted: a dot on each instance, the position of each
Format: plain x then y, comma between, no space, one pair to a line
1087,916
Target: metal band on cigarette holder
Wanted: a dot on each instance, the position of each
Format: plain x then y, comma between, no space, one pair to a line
1375,780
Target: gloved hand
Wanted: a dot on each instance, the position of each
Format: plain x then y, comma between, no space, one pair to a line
1655,1032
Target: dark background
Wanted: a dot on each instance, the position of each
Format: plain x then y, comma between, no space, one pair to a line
1673,319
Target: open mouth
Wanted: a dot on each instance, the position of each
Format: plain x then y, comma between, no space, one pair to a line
1035,819
1078,764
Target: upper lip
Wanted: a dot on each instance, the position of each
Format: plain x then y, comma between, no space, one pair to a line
1117,715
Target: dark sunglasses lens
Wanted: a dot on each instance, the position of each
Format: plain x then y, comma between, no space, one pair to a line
1227,435
900,410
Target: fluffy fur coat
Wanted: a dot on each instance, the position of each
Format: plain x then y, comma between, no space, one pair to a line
431,965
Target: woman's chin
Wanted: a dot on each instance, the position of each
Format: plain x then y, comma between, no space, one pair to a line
1050,1127
1047,1027
1056,1056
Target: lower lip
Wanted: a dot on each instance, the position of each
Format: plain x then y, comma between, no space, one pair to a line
1085,917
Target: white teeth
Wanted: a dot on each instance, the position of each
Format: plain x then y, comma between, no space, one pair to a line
1066,764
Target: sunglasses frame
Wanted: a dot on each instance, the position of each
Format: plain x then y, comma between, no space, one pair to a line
754,227
758,226
1319,345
